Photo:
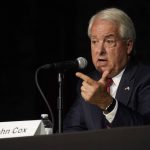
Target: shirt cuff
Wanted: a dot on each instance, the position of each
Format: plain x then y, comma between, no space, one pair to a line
110,116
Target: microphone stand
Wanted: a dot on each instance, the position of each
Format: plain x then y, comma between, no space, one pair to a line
60,101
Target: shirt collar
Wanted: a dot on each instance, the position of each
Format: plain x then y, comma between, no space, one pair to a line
117,78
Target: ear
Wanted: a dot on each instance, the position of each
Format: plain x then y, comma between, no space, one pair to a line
129,46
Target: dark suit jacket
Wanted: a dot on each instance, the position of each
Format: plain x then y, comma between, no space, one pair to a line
133,97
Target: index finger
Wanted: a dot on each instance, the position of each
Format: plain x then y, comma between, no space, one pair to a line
85,78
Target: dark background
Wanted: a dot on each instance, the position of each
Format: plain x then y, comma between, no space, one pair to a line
34,33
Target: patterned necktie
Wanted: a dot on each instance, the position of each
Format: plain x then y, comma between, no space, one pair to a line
109,83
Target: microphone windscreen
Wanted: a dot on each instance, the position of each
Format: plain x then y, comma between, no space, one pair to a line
82,62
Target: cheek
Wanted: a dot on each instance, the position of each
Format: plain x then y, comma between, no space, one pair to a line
114,58
93,54
117,59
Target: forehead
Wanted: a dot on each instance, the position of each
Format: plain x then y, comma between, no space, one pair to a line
101,28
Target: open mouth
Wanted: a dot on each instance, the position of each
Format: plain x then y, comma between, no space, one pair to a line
102,61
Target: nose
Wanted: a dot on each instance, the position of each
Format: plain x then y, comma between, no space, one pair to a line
101,48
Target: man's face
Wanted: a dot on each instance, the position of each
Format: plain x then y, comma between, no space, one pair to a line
109,51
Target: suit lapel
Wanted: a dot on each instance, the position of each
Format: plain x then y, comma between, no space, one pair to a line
127,83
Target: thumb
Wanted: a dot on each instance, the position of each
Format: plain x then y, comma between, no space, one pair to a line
104,77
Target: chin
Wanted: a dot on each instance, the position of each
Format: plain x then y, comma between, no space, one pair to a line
100,69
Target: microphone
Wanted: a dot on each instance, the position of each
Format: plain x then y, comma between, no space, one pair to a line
79,63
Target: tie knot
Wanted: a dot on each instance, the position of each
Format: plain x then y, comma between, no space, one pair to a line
109,82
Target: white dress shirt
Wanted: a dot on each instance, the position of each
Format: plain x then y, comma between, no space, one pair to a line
113,89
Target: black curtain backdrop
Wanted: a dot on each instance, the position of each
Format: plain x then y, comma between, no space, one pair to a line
34,33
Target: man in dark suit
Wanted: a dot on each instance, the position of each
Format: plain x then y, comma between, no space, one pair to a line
127,103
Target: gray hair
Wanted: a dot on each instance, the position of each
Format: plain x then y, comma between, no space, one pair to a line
126,26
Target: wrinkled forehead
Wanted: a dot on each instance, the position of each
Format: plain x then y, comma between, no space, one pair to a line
102,27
